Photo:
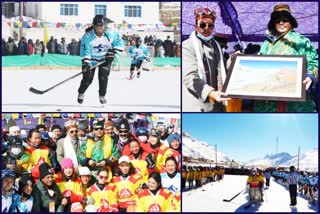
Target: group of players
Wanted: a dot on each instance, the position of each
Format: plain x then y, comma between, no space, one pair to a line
107,170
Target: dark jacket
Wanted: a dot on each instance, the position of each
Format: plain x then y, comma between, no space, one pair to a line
42,198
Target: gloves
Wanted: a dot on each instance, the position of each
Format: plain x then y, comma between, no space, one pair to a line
85,67
248,186
150,161
147,58
110,56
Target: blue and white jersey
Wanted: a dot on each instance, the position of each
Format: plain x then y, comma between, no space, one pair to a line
314,181
6,203
93,49
140,53
173,184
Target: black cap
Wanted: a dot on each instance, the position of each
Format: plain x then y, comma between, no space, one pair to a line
45,170
123,124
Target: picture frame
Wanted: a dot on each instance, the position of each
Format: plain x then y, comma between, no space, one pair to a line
266,77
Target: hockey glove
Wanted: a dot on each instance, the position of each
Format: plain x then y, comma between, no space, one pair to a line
110,56
85,67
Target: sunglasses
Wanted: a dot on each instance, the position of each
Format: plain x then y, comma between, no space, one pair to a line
123,131
73,131
204,11
281,20
96,129
206,25
103,177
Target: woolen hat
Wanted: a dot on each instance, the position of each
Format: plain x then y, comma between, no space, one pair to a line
67,162
45,170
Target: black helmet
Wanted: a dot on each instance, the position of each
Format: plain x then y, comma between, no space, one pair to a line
99,20
10,163
15,146
292,168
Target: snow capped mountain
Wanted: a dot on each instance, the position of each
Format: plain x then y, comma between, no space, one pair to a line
308,161
200,149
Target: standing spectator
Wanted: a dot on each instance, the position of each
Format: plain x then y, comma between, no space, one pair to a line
11,47
43,50
4,48
46,194
293,179
267,175
82,132
68,147
23,47
73,47
52,45
38,47
62,47
282,39
99,151
78,49
30,46
167,45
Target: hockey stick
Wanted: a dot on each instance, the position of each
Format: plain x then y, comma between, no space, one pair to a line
36,91
225,200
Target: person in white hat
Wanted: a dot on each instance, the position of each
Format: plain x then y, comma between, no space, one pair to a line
128,184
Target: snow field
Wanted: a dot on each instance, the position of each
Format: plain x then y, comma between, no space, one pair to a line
155,91
276,198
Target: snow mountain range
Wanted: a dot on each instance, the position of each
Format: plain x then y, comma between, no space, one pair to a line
199,149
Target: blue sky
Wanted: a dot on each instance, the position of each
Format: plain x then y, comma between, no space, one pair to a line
248,136
268,64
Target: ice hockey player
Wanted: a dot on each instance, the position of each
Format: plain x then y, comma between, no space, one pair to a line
255,184
98,44
138,52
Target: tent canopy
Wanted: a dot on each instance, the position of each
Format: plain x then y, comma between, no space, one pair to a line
247,21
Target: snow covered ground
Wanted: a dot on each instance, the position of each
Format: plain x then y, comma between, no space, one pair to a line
155,91
276,198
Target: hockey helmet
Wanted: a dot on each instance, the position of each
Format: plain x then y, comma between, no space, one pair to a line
138,39
99,20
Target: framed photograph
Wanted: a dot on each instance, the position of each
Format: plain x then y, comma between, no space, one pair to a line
266,78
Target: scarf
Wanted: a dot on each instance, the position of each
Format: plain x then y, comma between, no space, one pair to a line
200,65
69,150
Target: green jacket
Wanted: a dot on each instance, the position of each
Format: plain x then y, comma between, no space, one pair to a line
98,151
291,43
42,198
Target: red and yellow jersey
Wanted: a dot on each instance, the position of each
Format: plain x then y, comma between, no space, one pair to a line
127,189
105,199
36,155
141,166
161,158
71,188
255,180
171,152
176,202
161,202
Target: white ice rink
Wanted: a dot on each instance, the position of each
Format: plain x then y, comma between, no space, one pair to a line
155,91
276,198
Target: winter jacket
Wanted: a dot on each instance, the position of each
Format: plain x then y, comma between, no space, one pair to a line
140,165
291,43
42,198
98,151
